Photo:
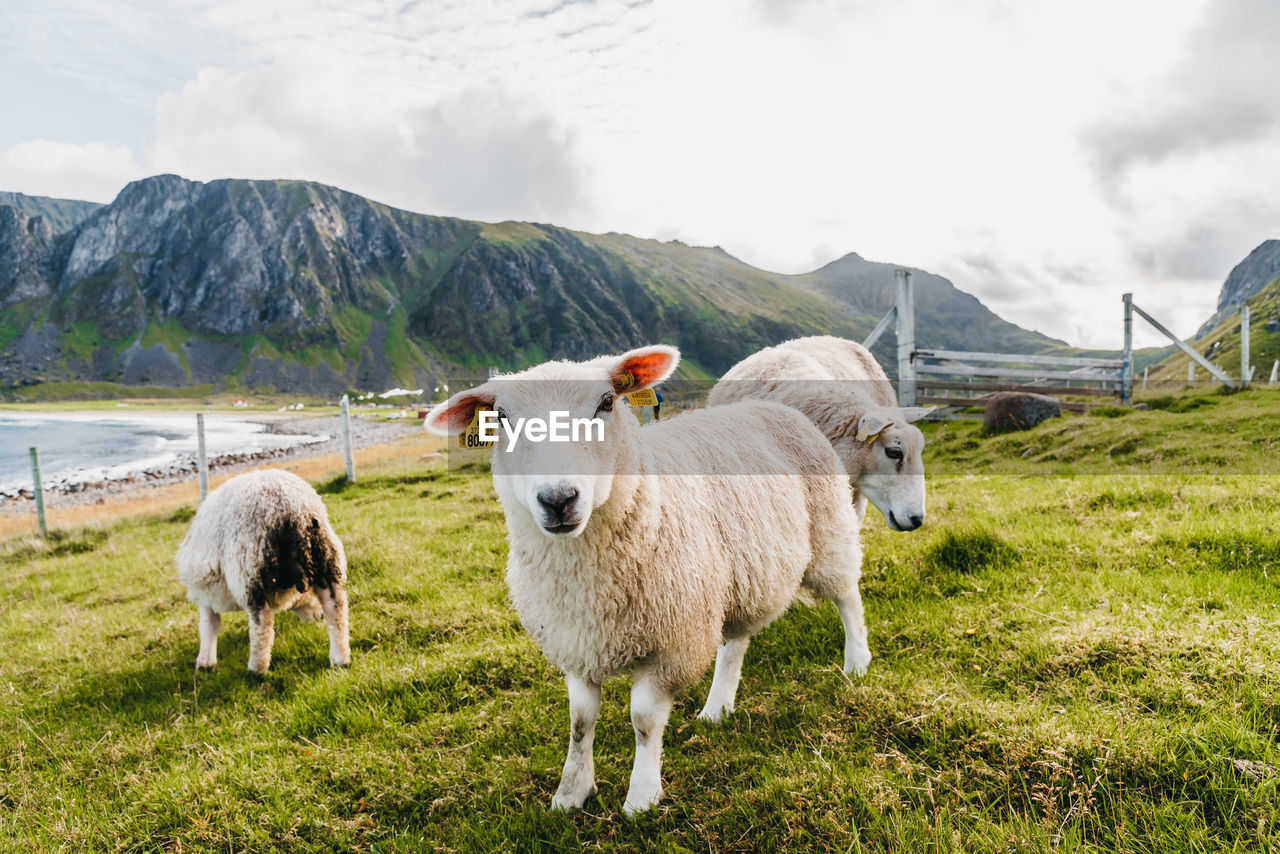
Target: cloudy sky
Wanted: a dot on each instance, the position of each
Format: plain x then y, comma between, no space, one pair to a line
1046,156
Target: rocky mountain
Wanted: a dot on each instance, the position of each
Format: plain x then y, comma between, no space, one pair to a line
303,287
62,214
1259,269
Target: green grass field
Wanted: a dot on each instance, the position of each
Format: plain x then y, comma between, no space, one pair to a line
1064,661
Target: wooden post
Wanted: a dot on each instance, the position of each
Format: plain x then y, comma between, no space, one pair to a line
1144,378
874,335
39,491
1275,372
1191,373
346,441
201,458
1246,372
1213,369
904,300
1126,376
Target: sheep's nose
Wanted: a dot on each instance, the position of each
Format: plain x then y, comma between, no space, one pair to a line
556,501
916,521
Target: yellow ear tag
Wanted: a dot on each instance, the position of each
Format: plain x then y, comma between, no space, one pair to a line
625,381
864,436
470,438
644,397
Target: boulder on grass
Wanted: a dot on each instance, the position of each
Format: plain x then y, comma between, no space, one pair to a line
1018,410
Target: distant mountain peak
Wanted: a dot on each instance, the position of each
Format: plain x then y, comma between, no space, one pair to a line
62,214
302,286
1259,268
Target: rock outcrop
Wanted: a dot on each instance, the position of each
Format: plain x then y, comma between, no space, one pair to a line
1260,268
1018,410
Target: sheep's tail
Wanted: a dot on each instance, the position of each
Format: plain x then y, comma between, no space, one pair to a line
299,553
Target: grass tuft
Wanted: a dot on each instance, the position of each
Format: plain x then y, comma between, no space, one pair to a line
968,552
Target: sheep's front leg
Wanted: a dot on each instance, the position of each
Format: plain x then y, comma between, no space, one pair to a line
334,600
262,634
724,684
578,782
857,655
210,624
650,707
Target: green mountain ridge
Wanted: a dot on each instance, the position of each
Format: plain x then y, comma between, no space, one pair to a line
1221,343
297,286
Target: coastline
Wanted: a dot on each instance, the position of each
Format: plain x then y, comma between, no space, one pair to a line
70,493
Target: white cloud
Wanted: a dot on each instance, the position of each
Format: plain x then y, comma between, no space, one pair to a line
1190,161
93,171
479,153
1046,156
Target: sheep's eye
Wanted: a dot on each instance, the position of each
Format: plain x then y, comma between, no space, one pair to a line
893,453
605,405
502,416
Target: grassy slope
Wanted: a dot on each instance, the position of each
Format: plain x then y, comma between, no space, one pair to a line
1061,661
1264,346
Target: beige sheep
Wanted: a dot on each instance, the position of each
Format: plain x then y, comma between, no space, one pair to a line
838,384
262,543
660,548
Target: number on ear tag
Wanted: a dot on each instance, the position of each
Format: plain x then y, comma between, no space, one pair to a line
470,438
644,397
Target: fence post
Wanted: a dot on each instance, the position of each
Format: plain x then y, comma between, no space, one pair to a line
1246,372
1144,377
1191,373
202,460
1275,372
904,300
39,491
1126,372
346,440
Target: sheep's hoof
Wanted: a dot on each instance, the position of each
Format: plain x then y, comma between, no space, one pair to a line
715,716
569,803
206,665
632,809
856,665
343,665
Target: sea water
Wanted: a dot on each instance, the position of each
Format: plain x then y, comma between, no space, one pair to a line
97,446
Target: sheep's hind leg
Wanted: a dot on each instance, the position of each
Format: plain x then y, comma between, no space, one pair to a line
578,782
262,634
650,708
334,601
210,624
724,684
857,655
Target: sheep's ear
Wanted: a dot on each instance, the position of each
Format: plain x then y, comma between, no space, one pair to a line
643,368
870,425
452,417
913,414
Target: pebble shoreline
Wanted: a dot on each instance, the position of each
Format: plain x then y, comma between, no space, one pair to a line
363,433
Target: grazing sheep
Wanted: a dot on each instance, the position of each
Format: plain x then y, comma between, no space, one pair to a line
262,543
844,392
662,547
